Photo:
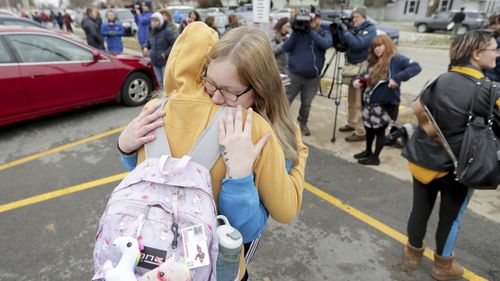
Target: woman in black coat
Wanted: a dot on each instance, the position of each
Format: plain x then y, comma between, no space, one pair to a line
449,100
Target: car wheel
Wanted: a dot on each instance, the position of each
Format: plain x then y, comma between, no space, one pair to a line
422,28
463,29
137,89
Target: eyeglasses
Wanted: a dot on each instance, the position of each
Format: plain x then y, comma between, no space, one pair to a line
497,50
228,95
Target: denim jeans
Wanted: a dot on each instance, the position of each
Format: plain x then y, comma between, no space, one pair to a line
159,71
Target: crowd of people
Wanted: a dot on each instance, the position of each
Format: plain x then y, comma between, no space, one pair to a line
236,72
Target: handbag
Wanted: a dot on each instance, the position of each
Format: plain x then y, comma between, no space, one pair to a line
479,162
478,165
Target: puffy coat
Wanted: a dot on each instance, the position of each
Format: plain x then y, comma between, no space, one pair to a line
160,43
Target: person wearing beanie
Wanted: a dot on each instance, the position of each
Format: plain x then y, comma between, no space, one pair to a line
143,21
158,46
358,42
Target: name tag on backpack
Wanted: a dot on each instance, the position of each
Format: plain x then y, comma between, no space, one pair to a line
195,246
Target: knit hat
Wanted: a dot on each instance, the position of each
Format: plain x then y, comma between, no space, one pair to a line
148,4
159,17
362,10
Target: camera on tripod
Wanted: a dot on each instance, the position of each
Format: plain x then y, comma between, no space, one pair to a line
302,21
336,29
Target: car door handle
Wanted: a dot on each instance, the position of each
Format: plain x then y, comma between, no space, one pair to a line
37,75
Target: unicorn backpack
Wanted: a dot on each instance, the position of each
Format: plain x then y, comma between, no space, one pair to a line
167,204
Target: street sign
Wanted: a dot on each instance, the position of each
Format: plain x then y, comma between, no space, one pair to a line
261,10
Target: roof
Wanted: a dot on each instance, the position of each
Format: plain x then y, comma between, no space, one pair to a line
23,29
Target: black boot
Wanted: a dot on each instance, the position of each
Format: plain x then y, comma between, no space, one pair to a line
371,160
362,155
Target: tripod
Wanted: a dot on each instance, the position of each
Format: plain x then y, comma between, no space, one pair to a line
337,80
335,57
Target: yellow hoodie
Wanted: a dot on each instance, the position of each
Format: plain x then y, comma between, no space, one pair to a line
190,110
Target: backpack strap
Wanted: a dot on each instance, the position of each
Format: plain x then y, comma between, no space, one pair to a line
159,146
207,150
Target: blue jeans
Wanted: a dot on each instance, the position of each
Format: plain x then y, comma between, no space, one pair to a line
159,71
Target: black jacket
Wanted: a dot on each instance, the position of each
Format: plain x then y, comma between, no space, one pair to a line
93,33
160,42
401,69
449,100
458,17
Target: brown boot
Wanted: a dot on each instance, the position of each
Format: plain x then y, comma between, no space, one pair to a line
413,256
445,268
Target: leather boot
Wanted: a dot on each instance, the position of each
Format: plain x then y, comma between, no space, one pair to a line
445,268
413,256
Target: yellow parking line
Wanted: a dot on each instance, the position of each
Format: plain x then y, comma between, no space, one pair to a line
469,275
59,148
391,232
60,192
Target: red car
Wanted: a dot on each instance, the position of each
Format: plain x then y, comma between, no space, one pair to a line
42,72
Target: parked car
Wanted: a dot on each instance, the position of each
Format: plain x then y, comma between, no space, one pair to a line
179,12
440,21
43,72
4,12
245,18
22,22
281,13
124,16
331,15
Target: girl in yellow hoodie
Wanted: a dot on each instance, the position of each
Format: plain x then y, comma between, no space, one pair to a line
203,74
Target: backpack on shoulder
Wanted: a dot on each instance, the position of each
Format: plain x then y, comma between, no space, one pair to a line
478,165
167,204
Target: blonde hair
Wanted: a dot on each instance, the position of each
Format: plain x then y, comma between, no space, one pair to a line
463,46
250,51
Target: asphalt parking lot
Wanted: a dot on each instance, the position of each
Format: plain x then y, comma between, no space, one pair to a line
57,172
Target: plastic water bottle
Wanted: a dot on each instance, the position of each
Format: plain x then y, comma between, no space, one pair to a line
230,243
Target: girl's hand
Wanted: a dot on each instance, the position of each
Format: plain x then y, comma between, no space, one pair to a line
393,84
239,151
138,130
356,84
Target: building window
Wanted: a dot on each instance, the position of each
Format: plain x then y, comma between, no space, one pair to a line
411,6
444,6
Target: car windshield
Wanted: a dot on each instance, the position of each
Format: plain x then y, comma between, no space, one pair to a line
125,16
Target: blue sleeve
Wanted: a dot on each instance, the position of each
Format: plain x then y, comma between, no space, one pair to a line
144,19
121,30
129,161
104,30
406,69
360,41
290,43
239,202
324,42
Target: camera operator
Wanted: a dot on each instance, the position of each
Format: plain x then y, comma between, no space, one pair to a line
306,47
358,43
